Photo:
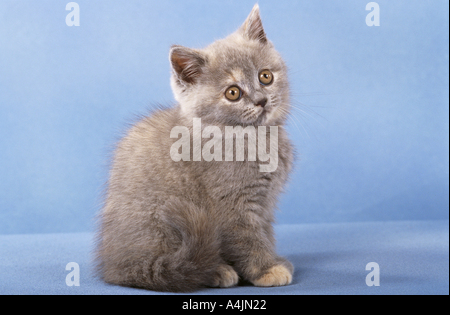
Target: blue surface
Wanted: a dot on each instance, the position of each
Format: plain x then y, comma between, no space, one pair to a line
329,259
372,136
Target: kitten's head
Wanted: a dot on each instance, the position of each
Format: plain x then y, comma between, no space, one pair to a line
239,80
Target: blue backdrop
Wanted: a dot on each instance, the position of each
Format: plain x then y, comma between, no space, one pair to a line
370,123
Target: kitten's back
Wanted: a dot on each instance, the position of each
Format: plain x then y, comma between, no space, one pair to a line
149,237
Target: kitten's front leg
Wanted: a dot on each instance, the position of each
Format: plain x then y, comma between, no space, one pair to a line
225,277
253,253
278,275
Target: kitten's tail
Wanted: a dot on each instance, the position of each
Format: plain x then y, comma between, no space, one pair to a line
194,264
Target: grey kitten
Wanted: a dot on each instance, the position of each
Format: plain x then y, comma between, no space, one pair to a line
181,225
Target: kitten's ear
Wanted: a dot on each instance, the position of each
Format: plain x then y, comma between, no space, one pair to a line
253,28
186,63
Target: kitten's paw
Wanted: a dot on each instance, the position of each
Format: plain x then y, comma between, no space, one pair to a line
226,277
276,276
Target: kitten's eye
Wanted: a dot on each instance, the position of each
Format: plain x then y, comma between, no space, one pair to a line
233,93
265,77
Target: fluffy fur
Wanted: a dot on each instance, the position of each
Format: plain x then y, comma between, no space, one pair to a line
180,226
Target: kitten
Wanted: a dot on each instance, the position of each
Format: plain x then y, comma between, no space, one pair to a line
181,225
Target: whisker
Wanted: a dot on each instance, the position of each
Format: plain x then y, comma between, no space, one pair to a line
311,112
294,94
294,119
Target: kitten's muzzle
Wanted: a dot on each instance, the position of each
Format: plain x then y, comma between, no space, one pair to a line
262,102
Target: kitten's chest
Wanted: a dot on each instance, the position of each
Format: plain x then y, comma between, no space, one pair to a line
235,181
231,183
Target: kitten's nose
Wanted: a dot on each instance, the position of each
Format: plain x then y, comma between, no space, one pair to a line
262,102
